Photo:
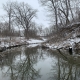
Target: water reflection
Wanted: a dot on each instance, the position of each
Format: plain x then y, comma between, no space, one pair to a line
19,68
37,64
65,69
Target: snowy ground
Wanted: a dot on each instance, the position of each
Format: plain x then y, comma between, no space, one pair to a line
35,42
64,44
20,40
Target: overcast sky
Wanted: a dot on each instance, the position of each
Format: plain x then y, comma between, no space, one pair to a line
41,19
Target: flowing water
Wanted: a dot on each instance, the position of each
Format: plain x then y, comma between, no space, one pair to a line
37,64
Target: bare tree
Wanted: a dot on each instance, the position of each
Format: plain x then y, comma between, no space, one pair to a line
24,14
53,8
65,9
61,10
9,8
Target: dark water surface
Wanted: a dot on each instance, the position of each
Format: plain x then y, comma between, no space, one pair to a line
36,64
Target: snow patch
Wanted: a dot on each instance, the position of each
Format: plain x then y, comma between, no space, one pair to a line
34,41
32,45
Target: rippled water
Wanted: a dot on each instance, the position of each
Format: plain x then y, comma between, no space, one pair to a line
37,64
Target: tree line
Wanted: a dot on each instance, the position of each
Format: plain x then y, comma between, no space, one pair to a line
18,20
61,13
21,15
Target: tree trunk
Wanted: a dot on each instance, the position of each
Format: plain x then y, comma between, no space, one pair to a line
55,14
26,33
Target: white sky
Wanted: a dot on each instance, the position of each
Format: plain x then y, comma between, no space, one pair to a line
41,19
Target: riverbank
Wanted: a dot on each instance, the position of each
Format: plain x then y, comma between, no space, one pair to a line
6,43
73,43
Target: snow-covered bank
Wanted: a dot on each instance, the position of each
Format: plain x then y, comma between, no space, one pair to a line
35,42
14,41
18,41
64,44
